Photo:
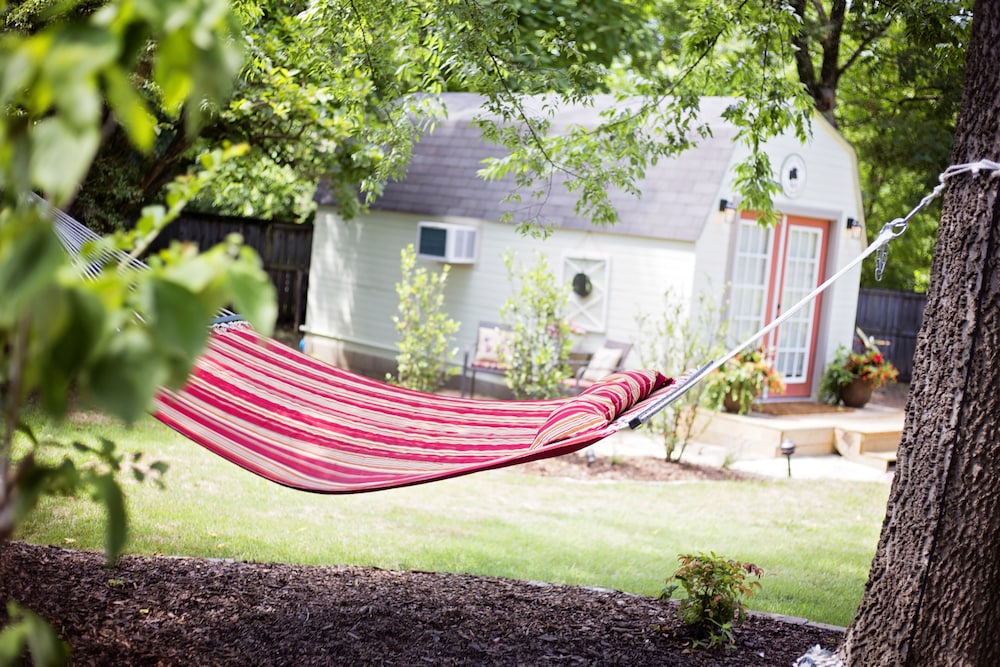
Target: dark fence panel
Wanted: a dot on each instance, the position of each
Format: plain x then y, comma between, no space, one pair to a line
893,318
285,250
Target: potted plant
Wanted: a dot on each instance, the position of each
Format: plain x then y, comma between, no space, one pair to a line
852,377
736,384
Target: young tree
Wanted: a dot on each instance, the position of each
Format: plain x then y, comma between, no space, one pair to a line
931,594
675,342
426,333
541,339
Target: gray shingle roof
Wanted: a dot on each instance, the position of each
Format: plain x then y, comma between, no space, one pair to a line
677,194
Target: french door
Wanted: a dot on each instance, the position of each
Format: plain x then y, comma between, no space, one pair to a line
774,268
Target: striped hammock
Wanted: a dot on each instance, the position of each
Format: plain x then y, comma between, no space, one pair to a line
297,421
311,426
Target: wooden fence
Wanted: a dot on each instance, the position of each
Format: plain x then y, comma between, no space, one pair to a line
893,317
285,250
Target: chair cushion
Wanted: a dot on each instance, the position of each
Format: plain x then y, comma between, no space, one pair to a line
491,342
602,364
598,405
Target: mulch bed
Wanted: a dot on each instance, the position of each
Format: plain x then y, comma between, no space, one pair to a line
187,611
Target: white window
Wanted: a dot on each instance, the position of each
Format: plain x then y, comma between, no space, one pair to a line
588,277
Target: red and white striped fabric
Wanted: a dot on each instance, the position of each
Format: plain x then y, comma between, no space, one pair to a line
311,426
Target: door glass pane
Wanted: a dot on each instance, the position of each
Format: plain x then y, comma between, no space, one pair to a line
749,287
801,275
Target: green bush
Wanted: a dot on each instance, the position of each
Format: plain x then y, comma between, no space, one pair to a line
674,343
426,332
714,588
541,338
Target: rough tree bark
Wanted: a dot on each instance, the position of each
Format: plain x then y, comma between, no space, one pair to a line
931,597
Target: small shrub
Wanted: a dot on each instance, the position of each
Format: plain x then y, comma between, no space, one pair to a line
425,330
714,588
675,341
541,337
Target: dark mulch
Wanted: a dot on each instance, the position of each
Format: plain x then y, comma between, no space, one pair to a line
631,468
186,611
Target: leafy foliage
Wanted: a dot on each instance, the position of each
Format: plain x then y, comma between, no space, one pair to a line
426,332
110,340
714,589
889,76
677,341
28,630
742,379
898,109
537,353
61,77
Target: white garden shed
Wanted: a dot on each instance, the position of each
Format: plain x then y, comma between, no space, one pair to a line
678,236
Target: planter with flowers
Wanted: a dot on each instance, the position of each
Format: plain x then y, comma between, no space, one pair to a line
736,384
852,377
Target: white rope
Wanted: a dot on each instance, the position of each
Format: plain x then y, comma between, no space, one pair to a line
74,235
888,232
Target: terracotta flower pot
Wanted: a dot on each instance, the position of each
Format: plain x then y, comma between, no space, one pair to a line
857,393
731,404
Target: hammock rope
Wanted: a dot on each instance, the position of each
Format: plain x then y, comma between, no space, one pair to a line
891,230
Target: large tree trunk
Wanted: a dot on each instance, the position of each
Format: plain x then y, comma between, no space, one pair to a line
933,591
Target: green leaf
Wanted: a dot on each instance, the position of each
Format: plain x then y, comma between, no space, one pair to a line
27,629
62,155
179,322
130,109
18,69
72,325
30,254
126,376
172,70
253,295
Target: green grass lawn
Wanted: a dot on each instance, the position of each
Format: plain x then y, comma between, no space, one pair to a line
814,539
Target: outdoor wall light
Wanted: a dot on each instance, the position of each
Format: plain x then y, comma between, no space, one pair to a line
854,227
729,207
788,448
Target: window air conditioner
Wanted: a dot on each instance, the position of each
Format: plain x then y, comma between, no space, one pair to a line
446,242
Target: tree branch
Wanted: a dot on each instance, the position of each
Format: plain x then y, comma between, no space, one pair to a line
803,60
864,44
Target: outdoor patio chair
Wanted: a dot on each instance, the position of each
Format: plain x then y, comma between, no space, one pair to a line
484,355
608,359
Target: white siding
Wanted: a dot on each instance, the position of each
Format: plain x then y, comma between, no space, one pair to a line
355,267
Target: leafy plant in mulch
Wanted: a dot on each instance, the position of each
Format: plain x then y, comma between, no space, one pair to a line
714,588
